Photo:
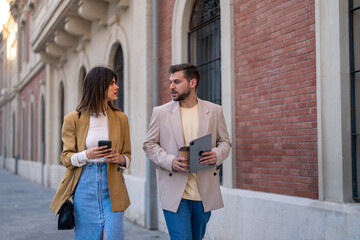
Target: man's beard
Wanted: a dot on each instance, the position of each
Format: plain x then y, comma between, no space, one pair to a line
182,96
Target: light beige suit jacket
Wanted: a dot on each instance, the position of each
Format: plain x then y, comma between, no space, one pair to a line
162,142
74,133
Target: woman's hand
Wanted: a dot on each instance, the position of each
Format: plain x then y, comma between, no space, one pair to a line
97,152
115,157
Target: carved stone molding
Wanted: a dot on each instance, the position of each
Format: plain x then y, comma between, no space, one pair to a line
55,50
46,58
123,4
78,27
94,10
64,39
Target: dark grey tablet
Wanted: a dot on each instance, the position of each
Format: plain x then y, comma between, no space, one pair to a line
197,147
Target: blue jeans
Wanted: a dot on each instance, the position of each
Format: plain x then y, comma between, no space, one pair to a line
189,222
92,207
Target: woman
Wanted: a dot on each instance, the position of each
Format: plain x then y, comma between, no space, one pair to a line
93,173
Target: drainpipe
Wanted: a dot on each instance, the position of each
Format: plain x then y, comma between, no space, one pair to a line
151,219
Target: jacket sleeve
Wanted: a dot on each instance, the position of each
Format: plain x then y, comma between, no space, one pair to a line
68,136
151,145
126,147
223,143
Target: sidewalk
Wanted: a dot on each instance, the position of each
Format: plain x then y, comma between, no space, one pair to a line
25,213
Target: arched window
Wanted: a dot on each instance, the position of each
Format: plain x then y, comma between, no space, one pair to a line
119,69
13,136
62,114
205,52
23,133
42,131
204,48
81,81
32,133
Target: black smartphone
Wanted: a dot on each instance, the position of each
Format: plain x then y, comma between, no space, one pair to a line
104,143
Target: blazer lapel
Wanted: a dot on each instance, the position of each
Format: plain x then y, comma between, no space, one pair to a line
82,129
204,118
176,126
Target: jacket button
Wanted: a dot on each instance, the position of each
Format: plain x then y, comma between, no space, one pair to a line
170,174
214,173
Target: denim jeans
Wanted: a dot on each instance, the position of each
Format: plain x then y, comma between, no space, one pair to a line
189,222
92,208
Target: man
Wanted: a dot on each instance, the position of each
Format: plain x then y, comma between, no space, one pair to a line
186,199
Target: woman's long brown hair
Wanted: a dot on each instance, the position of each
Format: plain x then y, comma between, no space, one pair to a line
94,91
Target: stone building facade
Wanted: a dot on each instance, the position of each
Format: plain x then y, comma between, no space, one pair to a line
284,72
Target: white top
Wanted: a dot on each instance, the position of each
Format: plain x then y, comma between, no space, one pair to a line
98,130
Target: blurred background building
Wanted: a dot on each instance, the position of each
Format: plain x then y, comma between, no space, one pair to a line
285,72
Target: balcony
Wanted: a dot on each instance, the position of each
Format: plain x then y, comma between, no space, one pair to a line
67,26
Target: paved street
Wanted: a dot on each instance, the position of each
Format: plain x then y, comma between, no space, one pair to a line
25,213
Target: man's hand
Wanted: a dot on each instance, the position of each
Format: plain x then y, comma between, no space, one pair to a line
180,164
208,158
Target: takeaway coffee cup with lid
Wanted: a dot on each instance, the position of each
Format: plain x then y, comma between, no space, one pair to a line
184,152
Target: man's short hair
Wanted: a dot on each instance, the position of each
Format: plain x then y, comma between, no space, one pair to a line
190,71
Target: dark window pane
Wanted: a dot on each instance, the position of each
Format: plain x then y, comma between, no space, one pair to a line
356,3
204,11
119,69
354,24
356,125
356,40
204,50
205,53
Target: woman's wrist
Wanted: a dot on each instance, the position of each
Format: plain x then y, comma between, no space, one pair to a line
123,163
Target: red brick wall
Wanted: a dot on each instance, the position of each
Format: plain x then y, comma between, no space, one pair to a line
276,125
276,128
25,94
165,12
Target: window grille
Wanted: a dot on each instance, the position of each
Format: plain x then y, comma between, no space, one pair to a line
204,50
354,25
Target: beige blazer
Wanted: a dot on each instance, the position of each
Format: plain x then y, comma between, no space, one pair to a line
74,133
162,142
